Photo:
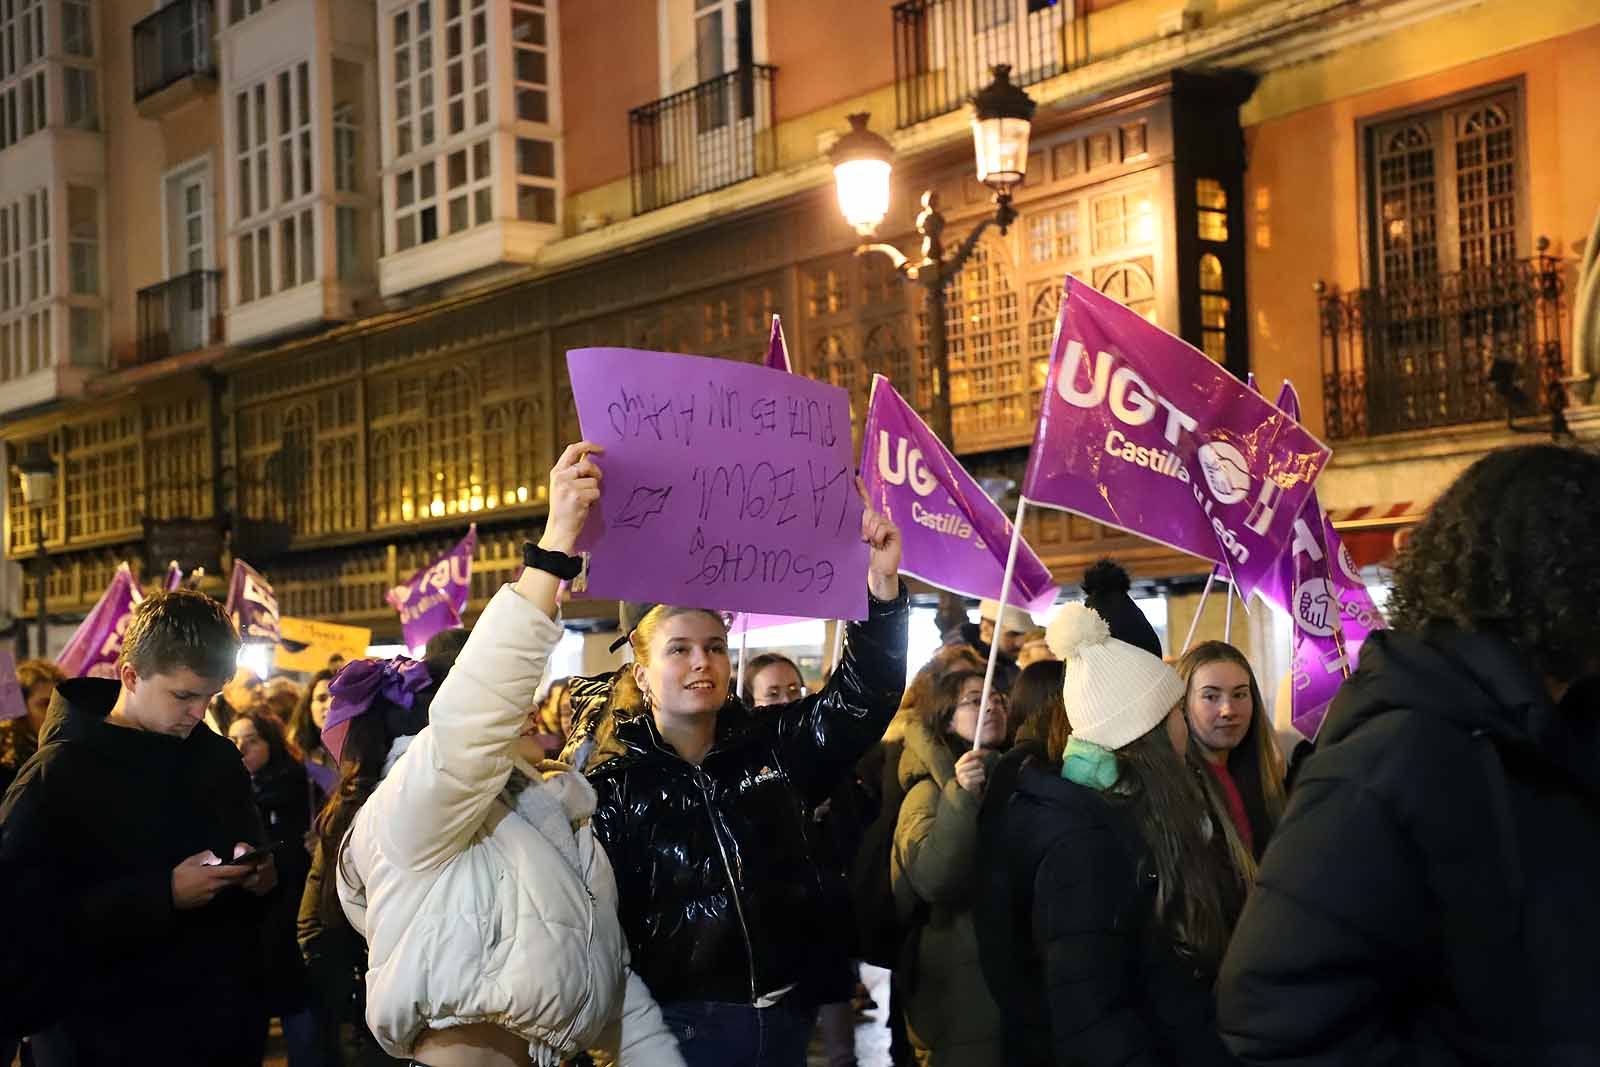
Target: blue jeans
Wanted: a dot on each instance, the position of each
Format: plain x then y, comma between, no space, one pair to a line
714,1034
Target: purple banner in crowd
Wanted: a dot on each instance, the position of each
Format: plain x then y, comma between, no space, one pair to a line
435,598
94,647
1140,431
727,485
252,605
13,702
1317,583
778,349
174,577
954,536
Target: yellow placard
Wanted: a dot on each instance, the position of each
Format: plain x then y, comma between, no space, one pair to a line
322,640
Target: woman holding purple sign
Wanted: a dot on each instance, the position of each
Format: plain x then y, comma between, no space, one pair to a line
704,806
490,914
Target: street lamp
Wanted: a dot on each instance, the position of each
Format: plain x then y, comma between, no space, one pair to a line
1002,118
37,473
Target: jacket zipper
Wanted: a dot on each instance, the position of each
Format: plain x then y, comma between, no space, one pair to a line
701,779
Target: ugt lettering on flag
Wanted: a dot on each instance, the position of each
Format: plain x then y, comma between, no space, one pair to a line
1141,431
1317,584
252,605
96,644
435,598
953,535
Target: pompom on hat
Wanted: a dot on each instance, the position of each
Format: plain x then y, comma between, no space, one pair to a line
1115,692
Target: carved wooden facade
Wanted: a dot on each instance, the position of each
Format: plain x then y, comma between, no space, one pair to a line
375,446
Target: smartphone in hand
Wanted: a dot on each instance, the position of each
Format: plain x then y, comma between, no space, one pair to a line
249,859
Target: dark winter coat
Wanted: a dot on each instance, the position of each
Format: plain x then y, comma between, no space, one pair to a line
1430,895
102,814
1094,981
1000,940
283,797
720,896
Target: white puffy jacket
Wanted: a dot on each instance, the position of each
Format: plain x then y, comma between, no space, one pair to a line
477,882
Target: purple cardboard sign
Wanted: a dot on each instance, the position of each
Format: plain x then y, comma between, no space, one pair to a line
727,485
435,598
1140,431
1317,584
13,702
94,646
954,536
252,605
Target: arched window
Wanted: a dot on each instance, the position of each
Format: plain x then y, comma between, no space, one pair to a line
453,460
987,379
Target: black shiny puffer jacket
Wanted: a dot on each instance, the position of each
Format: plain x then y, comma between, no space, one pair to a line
719,895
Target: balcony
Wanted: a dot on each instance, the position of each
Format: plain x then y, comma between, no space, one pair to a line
944,49
707,137
173,60
182,314
1474,345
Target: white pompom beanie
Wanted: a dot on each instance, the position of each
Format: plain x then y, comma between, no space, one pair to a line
1115,693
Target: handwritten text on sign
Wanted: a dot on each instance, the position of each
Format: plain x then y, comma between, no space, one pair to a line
726,485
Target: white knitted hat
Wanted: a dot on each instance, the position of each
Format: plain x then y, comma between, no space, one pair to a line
1115,693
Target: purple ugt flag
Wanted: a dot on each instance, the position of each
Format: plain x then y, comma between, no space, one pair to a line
252,605
94,647
435,598
777,349
1141,431
954,536
1317,584
174,577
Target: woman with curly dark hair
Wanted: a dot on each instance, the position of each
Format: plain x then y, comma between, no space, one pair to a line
1429,894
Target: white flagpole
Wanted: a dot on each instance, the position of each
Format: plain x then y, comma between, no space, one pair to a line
744,640
1198,611
1227,620
838,646
999,620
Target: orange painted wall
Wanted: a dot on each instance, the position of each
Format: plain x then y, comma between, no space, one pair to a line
609,64
827,51
1301,200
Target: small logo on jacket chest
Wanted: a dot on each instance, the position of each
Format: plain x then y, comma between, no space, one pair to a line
761,777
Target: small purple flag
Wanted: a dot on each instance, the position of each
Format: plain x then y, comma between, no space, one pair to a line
728,486
1140,431
174,577
777,349
954,536
93,649
435,598
1317,583
252,605
750,622
13,702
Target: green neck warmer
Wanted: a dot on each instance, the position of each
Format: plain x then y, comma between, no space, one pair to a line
1088,764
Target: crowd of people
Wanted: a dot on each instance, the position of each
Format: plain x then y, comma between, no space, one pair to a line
458,861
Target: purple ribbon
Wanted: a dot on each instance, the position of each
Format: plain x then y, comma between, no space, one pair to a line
359,682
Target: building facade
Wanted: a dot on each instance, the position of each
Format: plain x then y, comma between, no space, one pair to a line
382,224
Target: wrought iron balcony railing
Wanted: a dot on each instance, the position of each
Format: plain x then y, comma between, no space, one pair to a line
1474,345
172,44
181,314
944,49
706,137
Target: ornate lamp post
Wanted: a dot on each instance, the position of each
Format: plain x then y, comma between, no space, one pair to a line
37,473
1002,119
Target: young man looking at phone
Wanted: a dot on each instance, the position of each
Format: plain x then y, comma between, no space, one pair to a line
127,813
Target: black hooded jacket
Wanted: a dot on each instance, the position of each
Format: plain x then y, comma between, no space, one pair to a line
719,893
100,816
1430,895
1083,973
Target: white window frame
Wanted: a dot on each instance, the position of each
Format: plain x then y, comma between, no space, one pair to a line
199,167
275,143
